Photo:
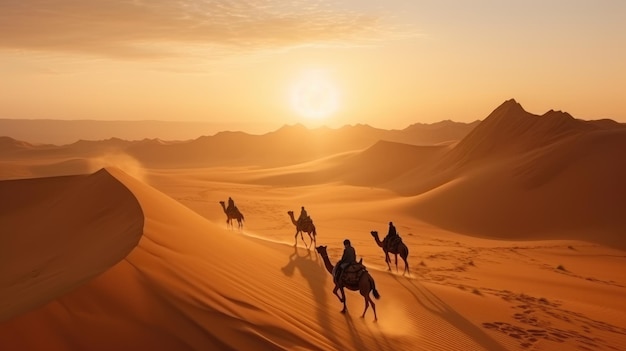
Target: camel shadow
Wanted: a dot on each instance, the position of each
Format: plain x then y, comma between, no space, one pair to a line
311,268
436,306
355,335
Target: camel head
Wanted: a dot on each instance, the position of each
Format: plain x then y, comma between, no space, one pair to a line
374,233
321,250
290,213
222,203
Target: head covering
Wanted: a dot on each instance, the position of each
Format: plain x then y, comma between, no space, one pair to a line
390,223
346,242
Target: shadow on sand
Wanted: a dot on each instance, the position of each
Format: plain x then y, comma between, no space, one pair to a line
311,268
438,307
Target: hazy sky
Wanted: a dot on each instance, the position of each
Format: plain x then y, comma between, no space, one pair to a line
266,63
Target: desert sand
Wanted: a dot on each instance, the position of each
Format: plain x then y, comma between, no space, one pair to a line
515,235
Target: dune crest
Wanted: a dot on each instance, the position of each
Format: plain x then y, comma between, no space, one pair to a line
62,232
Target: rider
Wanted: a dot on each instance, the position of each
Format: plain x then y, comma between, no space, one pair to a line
348,258
392,238
304,216
392,231
231,205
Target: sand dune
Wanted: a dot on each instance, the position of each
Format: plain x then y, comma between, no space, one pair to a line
521,176
510,129
59,233
516,175
191,284
133,256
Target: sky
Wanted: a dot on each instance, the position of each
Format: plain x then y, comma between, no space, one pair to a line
266,63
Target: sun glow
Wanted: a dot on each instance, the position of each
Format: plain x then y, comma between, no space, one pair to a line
314,95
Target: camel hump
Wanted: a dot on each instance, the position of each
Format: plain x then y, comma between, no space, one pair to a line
355,267
233,211
393,242
305,221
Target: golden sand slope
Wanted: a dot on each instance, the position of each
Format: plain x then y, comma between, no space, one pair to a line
58,233
190,284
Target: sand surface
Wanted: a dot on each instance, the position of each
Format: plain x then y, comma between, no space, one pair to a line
503,255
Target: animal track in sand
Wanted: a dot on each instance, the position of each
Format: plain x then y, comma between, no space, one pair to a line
537,313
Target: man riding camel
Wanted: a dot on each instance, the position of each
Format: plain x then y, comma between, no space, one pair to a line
392,231
348,258
304,216
392,239
231,205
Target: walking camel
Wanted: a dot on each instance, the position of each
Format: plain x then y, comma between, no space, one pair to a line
398,249
364,285
233,214
307,227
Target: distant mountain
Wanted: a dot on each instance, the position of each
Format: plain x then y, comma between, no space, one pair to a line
287,145
65,132
62,132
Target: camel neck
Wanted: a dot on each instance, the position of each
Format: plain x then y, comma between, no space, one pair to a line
329,266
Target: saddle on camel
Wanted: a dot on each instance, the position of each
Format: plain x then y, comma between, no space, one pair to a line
350,276
392,243
348,271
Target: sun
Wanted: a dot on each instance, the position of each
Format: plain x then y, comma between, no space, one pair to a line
314,95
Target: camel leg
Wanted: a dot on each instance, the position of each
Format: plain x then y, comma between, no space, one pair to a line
368,301
367,304
406,266
335,292
343,294
295,237
396,256
373,307
301,237
387,260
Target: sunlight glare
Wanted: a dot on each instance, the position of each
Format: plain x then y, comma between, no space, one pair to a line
314,95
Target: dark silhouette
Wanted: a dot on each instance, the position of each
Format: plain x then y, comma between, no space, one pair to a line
234,213
348,258
356,278
394,245
231,205
392,231
307,227
304,217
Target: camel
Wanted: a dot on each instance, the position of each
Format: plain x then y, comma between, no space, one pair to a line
234,214
307,227
400,248
364,286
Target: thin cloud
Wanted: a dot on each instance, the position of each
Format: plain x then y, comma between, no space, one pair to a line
145,29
